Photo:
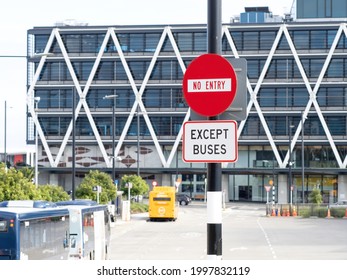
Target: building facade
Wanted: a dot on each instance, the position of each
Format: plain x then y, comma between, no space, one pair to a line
294,136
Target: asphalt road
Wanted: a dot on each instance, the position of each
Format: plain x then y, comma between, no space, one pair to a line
247,235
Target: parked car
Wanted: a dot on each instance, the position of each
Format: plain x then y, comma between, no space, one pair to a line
342,203
183,199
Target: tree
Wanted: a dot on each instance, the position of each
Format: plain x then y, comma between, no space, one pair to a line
15,186
315,196
28,172
52,193
139,186
97,178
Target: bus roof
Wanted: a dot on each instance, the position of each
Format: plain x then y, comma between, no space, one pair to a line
28,204
31,213
86,202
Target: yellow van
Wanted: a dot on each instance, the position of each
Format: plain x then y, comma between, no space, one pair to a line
162,203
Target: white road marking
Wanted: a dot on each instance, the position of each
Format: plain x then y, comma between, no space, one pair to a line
267,240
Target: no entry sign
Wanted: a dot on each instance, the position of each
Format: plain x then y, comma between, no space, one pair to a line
209,85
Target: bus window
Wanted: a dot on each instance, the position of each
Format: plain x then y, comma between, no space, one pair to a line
3,226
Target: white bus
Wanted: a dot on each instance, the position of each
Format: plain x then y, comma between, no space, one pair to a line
37,230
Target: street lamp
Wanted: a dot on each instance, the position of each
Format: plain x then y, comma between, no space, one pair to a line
138,137
5,135
73,144
302,156
113,97
290,163
36,100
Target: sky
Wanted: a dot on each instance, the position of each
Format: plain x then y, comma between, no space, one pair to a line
17,17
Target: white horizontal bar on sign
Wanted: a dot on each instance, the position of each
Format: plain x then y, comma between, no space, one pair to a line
209,85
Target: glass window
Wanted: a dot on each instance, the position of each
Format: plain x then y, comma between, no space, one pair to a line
300,96
301,39
162,125
322,96
44,98
86,69
271,72
283,43
72,43
316,66
123,41
105,71
251,40
281,97
185,41
40,43
138,69
237,37
337,125
136,42
89,42
283,70
100,40
56,71
335,96
267,39
110,46
280,126
120,71
44,75
319,39
151,42
83,127
168,70
167,46
55,47
54,98
267,97
342,43
252,126
314,126
253,68
151,98
166,98
199,42
104,125
339,8
176,124
335,69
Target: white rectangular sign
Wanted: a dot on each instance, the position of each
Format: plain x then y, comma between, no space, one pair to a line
210,141
209,85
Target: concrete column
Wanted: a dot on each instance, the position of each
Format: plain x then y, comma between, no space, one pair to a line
342,187
282,189
166,180
53,179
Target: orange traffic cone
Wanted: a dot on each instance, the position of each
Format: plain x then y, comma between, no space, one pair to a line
328,215
294,212
288,213
284,213
345,217
279,213
273,212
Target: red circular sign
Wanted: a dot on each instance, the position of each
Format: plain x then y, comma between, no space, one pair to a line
209,85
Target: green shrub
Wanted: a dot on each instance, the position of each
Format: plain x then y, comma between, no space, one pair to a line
304,212
138,207
337,212
322,212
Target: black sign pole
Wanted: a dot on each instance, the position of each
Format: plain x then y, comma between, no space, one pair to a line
214,170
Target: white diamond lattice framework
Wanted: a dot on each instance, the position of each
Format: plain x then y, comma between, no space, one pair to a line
167,33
